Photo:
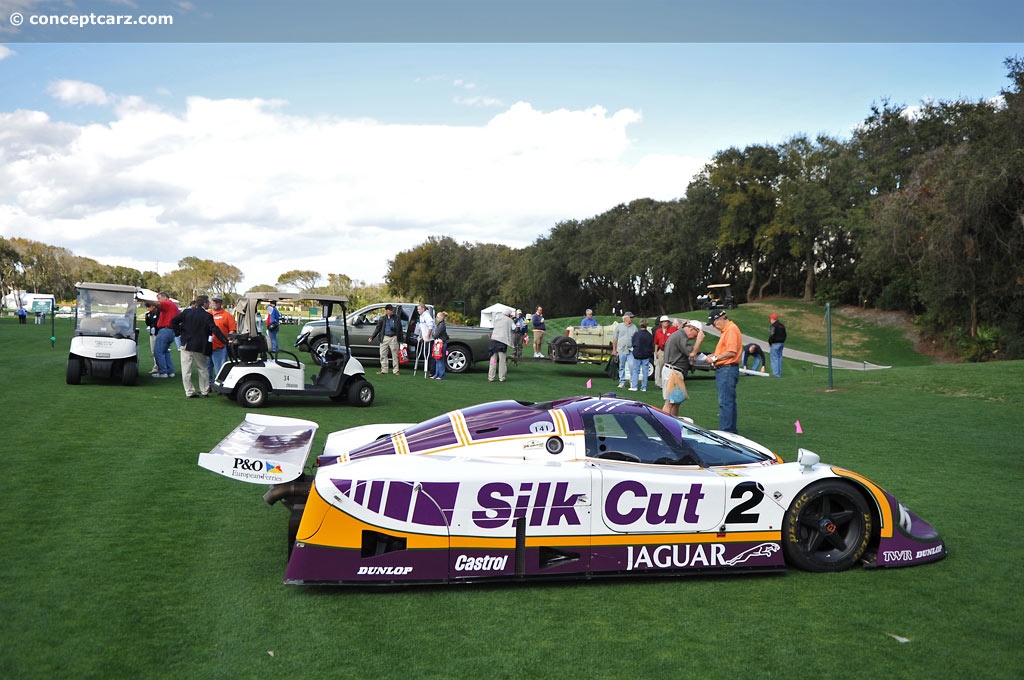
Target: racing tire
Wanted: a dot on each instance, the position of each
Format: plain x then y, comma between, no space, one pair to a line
827,527
129,373
252,393
459,359
361,393
564,349
318,350
74,372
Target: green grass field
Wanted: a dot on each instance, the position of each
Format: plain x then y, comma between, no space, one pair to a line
122,558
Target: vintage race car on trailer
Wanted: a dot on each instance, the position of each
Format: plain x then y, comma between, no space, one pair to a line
579,487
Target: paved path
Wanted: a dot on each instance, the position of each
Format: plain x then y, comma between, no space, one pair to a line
816,359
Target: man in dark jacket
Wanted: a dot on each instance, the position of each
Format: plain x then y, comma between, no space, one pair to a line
196,329
389,331
643,352
776,343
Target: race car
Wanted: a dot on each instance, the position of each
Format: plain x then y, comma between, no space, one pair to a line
580,487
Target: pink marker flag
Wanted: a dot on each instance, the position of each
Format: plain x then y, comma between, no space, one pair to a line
799,430
589,384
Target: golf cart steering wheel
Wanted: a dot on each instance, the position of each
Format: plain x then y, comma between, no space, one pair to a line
302,338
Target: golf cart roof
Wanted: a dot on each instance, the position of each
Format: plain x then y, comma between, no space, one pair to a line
266,296
719,285
116,287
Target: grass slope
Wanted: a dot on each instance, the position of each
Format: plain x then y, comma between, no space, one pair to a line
121,558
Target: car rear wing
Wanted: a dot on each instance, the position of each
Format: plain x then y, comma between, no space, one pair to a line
262,450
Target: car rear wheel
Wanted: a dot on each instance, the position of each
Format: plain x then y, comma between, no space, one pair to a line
827,527
458,359
361,393
74,372
252,393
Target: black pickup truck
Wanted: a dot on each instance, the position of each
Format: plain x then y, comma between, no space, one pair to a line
466,344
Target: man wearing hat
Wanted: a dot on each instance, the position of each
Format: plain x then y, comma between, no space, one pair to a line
389,331
776,343
225,321
680,349
661,334
622,345
726,362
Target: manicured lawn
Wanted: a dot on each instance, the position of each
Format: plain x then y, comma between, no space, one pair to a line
123,559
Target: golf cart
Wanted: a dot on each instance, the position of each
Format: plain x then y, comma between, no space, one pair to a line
105,343
253,372
718,295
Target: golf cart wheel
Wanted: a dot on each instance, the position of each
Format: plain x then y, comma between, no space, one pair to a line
361,393
74,372
129,373
252,393
827,527
458,360
318,350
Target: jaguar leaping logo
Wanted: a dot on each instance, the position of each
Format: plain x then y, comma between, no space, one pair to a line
763,550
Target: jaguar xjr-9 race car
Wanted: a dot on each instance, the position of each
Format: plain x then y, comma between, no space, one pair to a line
578,487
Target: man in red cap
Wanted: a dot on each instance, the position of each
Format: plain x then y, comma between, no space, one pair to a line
776,343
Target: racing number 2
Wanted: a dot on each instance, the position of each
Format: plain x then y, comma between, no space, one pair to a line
739,514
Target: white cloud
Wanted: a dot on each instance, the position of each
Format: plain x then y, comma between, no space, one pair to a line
489,102
6,52
77,92
244,182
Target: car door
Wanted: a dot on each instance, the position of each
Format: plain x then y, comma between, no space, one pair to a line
643,486
360,327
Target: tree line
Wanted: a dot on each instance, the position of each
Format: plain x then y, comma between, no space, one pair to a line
921,210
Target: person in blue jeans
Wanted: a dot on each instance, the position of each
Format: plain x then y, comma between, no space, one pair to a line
643,352
440,332
164,335
776,343
273,324
752,350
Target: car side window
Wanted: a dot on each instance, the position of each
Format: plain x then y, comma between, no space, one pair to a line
628,437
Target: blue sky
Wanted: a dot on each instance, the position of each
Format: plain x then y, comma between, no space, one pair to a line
336,156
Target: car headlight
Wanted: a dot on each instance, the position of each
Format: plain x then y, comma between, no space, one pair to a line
308,328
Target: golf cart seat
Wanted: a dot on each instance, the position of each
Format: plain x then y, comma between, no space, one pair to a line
247,349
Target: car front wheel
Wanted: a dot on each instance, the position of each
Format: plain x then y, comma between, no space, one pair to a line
827,527
318,350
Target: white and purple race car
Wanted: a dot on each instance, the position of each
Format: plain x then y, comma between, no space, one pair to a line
578,487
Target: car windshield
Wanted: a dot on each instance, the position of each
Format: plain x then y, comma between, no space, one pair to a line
710,449
105,312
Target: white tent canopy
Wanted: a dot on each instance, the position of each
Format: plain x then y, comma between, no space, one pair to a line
487,315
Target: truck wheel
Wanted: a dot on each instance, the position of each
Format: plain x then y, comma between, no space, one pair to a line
318,350
129,373
459,359
252,393
361,393
74,372
564,349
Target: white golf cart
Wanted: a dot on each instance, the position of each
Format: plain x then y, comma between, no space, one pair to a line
105,343
253,372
